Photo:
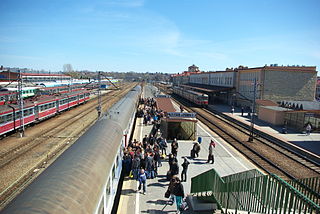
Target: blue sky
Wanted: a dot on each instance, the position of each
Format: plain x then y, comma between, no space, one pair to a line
158,35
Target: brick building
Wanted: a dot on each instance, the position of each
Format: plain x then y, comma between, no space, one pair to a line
276,83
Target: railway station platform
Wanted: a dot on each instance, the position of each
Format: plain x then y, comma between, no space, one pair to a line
227,161
310,142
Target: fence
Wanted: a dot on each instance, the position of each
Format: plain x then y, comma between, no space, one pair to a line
251,191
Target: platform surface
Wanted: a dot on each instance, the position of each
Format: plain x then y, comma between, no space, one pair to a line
227,161
309,142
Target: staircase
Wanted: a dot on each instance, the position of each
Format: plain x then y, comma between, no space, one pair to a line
254,192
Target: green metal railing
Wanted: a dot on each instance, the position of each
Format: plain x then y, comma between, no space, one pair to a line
252,191
310,187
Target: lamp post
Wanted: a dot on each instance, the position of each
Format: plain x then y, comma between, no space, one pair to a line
252,111
21,104
99,94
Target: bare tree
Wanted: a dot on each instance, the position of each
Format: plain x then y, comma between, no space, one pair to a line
67,68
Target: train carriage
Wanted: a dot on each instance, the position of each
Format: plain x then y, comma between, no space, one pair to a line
10,117
200,99
26,91
46,108
85,178
7,97
43,108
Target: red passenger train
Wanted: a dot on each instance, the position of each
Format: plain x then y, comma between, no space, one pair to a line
38,109
193,96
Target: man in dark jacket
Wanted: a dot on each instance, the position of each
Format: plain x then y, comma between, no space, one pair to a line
184,165
150,166
196,148
174,168
135,167
174,147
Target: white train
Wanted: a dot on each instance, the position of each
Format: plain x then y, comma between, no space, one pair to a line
84,179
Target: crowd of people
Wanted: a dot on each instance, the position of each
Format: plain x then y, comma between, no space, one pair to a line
142,159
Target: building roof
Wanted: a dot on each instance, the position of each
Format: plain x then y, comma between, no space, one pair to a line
35,74
165,104
275,67
185,73
206,88
276,108
266,103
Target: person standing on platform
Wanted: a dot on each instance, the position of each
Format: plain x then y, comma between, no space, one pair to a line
163,145
184,165
232,110
181,108
174,168
150,166
210,156
145,141
178,192
135,167
308,129
142,178
242,110
174,147
196,149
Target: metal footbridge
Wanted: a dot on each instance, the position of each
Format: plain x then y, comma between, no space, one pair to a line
254,192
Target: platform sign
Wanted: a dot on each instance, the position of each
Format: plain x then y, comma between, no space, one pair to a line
181,115
163,96
309,114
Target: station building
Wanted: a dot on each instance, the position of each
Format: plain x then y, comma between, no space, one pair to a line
182,126
276,83
293,85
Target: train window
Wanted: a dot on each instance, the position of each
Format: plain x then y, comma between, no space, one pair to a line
116,165
26,112
9,117
113,171
108,190
2,119
18,114
101,206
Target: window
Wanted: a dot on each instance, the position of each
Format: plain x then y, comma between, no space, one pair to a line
2,119
9,117
101,206
27,112
108,190
113,171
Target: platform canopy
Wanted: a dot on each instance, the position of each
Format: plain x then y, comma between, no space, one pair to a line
206,88
165,104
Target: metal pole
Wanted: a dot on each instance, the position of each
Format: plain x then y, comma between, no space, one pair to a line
21,104
99,94
252,111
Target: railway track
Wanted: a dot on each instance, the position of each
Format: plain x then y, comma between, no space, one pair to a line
263,152
12,154
56,132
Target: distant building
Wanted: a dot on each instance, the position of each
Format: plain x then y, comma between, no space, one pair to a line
32,77
318,89
183,78
193,68
276,83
